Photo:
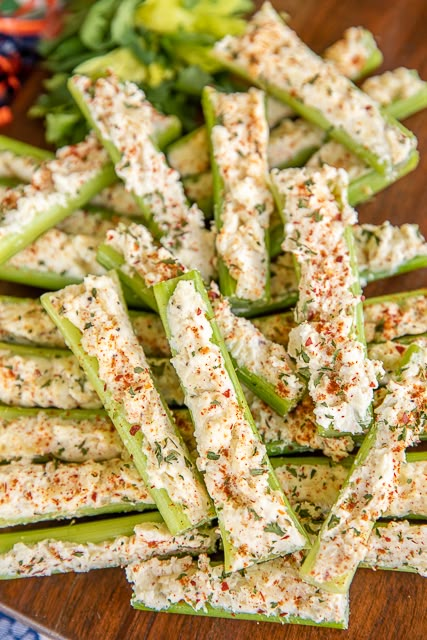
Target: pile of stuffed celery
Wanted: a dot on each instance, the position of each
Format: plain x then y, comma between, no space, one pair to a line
249,422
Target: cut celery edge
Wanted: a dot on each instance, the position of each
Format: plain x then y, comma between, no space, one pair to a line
265,390
19,148
112,259
405,107
13,413
249,309
176,520
214,612
41,279
418,262
362,188
227,283
83,532
14,242
163,292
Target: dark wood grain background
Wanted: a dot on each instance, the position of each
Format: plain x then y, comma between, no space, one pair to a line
384,605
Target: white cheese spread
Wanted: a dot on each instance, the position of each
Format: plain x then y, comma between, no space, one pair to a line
272,55
326,345
351,53
273,589
24,321
385,248
398,84
239,146
291,138
336,155
52,185
411,493
30,436
392,319
52,556
124,117
95,308
151,262
297,429
37,381
254,516
252,351
58,490
73,256
117,199
17,166
398,545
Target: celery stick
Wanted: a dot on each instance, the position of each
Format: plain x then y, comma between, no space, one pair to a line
222,419
401,90
238,135
273,57
330,333
67,490
53,377
356,54
58,188
143,168
95,545
19,148
268,592
366,493
397,546
127,390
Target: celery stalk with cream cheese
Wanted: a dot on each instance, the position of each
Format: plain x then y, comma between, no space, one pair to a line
255,519
93,318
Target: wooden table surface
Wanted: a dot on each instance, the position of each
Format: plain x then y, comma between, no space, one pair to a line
384,605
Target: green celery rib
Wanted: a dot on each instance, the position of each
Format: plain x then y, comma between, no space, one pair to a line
12,413
82,532
248,309
227,282
112,259
213,612
163,291
173,514
41,279
418,262
23,149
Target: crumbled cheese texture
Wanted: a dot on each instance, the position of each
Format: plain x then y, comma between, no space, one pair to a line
385,248
58,490
116,198
53,185
153,263
52,556
239,146
336,155
96,309
24,321
327,344
391,86
38,381
272,589
372,481
254,516
42,434
411,493
351,53
190,155
252,351
73,256
292,138
393,319
125,118
17,166
272,55
297,429
399,545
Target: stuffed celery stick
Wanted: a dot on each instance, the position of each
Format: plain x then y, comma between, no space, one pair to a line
34,377
268,592
58,187
328,343
401,91
272,56
31,434
370,485
398,546
255,519
55,490
24,321
98,544
115,110
243,203
93,319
